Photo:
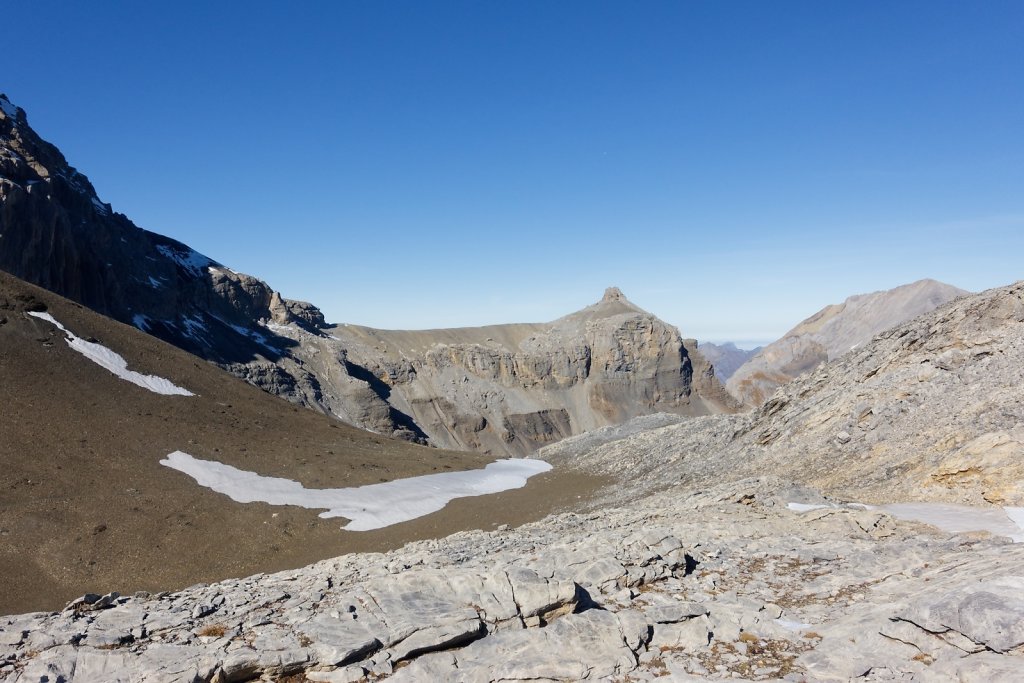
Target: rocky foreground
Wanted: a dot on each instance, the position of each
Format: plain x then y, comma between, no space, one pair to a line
724,583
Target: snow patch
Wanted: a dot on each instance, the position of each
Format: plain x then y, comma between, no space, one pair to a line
217,270
140,321
189,259
8,107
100,206
195,328
961,518
807,507
1008,521
1016,516
368,507
113,362
154,283
253,335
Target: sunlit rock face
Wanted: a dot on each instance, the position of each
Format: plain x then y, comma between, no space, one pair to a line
515,388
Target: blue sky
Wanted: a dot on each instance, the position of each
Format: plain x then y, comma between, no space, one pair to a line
732,166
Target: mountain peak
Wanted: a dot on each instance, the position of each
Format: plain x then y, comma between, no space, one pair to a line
614,294
7,107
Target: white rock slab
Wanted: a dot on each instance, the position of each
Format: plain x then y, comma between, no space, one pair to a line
114,362
368,507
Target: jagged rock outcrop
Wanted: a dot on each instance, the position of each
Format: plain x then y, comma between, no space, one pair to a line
506,389
831,332
726,357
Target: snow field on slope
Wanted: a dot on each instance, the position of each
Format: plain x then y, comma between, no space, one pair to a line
368,507
114,362
1007,521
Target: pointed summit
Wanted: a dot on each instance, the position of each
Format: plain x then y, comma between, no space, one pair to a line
614,294
7,107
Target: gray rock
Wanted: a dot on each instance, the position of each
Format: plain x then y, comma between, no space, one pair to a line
675,612
691,635
338,641
990,613
538,596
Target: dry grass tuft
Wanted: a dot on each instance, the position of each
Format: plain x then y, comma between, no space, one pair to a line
213,630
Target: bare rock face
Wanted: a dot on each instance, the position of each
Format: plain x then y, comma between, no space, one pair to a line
513,388
508,389
832,332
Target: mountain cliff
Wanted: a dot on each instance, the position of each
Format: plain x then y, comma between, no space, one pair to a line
831,332
508,388
929,410
505,389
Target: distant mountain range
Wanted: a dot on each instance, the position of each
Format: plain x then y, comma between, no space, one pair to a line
726,357
500,389
832,332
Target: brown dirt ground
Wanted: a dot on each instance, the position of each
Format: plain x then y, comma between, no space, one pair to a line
85,505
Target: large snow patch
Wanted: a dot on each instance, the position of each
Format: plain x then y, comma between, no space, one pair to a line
1007,521
112,361
368,507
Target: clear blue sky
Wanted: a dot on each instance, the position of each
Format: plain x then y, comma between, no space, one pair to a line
732,166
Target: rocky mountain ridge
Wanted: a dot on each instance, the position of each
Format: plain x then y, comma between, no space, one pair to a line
514,388
831,332
506,389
